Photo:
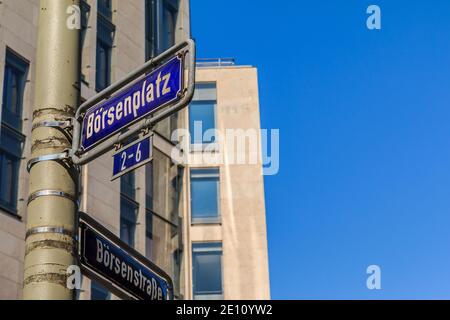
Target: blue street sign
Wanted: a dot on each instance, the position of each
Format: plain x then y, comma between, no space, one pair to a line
132,156
120,268
158,89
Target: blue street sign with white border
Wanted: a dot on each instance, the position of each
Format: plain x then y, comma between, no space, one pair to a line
132,156
120,268
158,89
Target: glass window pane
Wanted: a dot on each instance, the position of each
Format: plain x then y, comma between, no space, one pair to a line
169,20
202,119
128,215
103,66
9,173
98,292
205,195
149,236
105,8
13,89
205,91
15,92
207,269
127,184
149,186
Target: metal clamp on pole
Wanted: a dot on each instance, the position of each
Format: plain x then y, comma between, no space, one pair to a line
50,157
54,124
41,230
51,193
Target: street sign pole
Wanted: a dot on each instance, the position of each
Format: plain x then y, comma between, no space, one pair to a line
52,201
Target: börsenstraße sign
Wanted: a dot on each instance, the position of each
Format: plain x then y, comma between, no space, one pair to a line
120,268
159,88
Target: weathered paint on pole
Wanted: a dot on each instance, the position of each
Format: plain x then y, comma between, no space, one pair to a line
53,183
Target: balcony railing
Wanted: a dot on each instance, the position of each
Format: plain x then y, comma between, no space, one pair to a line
215,62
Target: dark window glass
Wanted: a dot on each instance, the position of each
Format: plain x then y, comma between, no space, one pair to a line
205,195
128,184
103,78
105,39
8,183
98,292
149,186
11,139
169,24
160,25
85,10
149,235
150,29
15,74
207,270
128,208
128,217
105,8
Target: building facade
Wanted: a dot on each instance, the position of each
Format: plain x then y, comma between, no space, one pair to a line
202,223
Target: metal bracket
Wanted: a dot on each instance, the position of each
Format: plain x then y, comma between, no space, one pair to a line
54,124
146,131
50,157
40,230
117,146
51,193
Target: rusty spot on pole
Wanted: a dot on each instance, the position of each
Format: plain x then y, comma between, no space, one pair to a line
66,111
56,278
49,244
51,142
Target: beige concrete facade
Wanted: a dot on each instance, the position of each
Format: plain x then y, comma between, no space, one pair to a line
242,230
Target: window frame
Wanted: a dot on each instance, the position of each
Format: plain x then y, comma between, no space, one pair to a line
135,205
154,21
211,248
12,127
99,288
208,220
105,37
85,15
199,98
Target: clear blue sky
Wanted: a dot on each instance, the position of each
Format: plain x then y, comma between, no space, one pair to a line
364,119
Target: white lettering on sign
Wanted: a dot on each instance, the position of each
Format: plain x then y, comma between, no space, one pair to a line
130,104
127,272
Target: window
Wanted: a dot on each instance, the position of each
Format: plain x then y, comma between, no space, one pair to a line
105,39
169,24
205,196
149,235
128,185
85,11
98,292
105,8
11,138
150,29
202,114
160,15
128,209
207,271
